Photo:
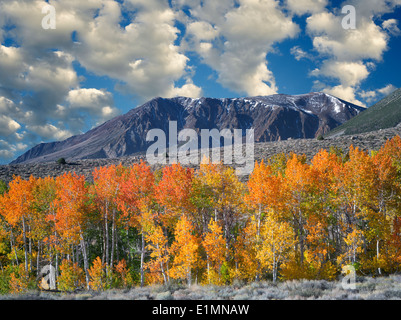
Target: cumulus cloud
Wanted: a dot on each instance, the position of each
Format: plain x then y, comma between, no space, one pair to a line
237,44
98,103
391,25
350,74
368,41
8,125
348,56
345,93
371,96
49,131
387,89
142,55
301,7
8,150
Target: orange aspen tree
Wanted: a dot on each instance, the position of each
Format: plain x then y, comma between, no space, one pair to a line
264,191
361,185
325,217
264,194
135,200
71,216
297,187
106,188
173,193
17,209
124,274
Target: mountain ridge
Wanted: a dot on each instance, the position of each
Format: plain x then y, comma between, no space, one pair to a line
274,118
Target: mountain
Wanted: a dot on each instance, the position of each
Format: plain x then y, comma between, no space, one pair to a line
274,118
384,114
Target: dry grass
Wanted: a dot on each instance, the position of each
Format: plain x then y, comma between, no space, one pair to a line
385,288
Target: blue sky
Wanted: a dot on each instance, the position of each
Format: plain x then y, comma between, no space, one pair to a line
106,57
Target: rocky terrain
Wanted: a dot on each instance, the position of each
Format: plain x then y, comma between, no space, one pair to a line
309,147
273,118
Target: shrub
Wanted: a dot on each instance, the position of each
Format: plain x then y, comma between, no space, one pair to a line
320,137
19,280
124,275
3,187
61,161
97,275
5,281
71,278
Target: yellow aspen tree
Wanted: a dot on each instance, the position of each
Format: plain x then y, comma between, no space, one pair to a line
222,191
215,248
247,266
185,251
159,254
278,239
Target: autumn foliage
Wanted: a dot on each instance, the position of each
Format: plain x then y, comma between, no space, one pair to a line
292,219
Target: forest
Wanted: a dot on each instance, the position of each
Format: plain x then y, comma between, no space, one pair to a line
134,226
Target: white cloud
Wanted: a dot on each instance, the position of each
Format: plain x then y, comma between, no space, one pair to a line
387,89
202,30
345,93
348,56
299,54
391,25
8,125
97,103
210,11
236,44
368,96
49,131
143,55
8,150
187,90
349,74
368,41
301,7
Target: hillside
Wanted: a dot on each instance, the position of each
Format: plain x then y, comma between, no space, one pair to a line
265,150
384,114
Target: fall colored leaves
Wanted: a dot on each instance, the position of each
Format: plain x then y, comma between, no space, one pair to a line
291,219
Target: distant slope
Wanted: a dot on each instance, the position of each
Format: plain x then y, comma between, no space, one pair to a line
274,118
384,114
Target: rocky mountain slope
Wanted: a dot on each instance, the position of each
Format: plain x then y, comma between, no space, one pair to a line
384,114
309,147
274,118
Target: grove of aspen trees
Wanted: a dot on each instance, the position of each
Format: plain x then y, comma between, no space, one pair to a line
292,219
